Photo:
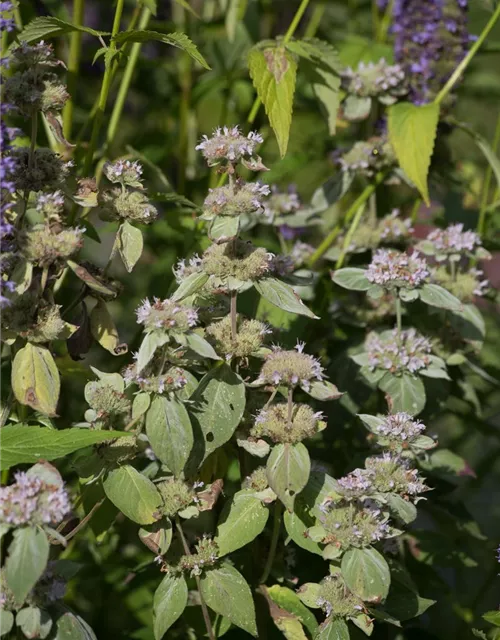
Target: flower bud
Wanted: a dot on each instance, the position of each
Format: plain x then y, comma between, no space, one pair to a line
249,338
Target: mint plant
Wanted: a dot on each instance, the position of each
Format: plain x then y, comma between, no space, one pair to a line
244,372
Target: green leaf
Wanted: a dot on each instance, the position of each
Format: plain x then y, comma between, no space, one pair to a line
170,432
485,147
371,422
331,191
34,622
403,509
190,285
297,528
356,108
227,593
28,444
151,342
69,626
493,617
290,601
436,296
282,296
200,346
132,493
35,379
6,622
169,602
333,629
273,71
241,521
407,392
104,330
179,40
412,131
469,323
323,390
91,281
130,245
27,559
158,536
366,574
224,228
49,27
287,470
352,278
218,405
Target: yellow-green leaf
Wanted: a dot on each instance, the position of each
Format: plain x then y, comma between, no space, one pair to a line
104,330
273,72
134,494
35,379
412,131
130,244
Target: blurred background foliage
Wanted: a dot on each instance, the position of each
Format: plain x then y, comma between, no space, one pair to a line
171,102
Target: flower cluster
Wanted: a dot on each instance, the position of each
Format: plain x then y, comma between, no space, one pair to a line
243,198
124,172
240,261
390,268
336,600
377,79
290,368
393,228
229,144
7,22
249,337
464,285
166,314
407,351
31,500
275,423
150,381
281,203
400,427
367,157
454,240
423,30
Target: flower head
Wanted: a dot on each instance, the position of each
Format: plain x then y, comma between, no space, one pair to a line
454,239
393,228
166,314
408,352
375,79
281,203
228,144
400,427
273,423
246,198
124,172
391,268
290,368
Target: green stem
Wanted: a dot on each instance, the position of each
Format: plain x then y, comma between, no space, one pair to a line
290,407
481,224
103,96
75,49
274,542
349,236
286,38
234,315
465,62
315,20
415,209
453,270
34,132
399,314
187,551
360,200
126,80
385,22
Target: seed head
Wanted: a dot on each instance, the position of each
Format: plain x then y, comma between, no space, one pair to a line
257,480
336,600
48,170
133,205
43,247
176,495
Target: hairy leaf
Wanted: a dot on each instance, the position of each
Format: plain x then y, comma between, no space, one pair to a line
241,521
407,392
49,27
351,278
436,296
132,493
169,602
27,559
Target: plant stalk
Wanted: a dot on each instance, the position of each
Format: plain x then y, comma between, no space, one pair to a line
347,241
399,314
290,407
455,76
274,542
481,223
234,316
187,551
75,49
103,96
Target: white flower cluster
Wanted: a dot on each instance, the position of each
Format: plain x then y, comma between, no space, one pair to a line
393,268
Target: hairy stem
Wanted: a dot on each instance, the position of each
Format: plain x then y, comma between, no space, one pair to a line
360,200
126,80
187,551
287,37
274,542
75,49
455,76
103,96
481,223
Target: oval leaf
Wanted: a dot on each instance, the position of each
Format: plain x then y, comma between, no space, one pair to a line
287,470
436,296
35,379
169,602
190,285
352,279
130,245
27,559
103,329
366,573
241,521
407,393
132,493
283,296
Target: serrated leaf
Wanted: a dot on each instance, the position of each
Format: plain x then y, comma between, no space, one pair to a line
407,392
132,493
273,72
130,245
366,573
35,379
227,593
190,285
241,521
170,432
412,131
288,468
28,444
104,330
169,602
351,278
493,617
26,561
437,296
283,296
49,27
218,405
179,40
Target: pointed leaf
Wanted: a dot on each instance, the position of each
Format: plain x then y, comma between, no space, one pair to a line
170,432
273,73
132,493
436,296
412,131
169,602
27,559
283,296
200,346
227,593
35,379
287,470
104,330
351,278
241,521
190,285
333,629
151,342
130,245
407,392
366,574
290,601
49,27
